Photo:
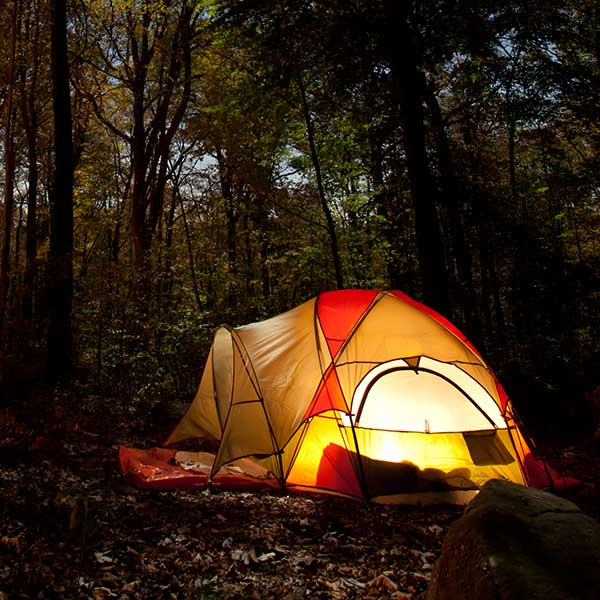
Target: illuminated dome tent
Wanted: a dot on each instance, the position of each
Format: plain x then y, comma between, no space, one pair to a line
360,393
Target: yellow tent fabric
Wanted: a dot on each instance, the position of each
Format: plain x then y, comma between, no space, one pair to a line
362,393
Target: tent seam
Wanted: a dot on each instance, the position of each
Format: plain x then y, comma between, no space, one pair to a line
247,361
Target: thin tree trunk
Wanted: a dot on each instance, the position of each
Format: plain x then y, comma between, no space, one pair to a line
18,233
485,238
170,225
384,205
573,221
498,311
490,288
157,194
116,242
100,326
31,222
265,278
190,251
60,261
310,134
9,172
486,309
231,214
263,236
29,116
512,171
116,234
248,274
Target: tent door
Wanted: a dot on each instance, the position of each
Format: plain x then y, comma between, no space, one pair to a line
405,399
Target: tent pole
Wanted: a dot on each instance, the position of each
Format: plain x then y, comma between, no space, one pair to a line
361,472
280,461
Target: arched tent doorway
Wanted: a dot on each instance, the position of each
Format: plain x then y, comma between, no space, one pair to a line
428,428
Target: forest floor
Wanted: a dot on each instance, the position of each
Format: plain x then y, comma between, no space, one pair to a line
72,527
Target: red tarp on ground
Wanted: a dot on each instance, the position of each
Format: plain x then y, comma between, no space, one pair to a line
167,469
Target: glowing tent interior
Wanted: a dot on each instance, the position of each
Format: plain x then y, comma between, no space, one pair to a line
361,393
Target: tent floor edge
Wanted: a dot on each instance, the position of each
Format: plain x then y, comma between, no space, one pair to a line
453,497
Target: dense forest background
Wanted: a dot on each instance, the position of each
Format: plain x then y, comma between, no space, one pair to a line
169,165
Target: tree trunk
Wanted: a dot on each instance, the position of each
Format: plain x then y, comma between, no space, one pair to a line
31,222
484,268
262,221
60,260
429,241
512,170
409,88
150,145
17,247
310,134
139,227
188,240
167,283
384,205
29,117
115,243
9,172
487,267
248,269
231,214
452,197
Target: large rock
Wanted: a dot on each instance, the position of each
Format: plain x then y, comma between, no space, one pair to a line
518,543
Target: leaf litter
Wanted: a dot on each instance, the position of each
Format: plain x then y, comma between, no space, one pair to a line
72,527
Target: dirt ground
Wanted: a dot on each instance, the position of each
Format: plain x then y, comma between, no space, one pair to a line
71,527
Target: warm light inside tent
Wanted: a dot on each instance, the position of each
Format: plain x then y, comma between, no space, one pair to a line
394,397
444,451
390,451
323,460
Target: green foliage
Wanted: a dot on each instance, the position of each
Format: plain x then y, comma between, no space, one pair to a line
509,93
145,361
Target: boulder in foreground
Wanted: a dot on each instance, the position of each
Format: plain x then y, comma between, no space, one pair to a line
515,542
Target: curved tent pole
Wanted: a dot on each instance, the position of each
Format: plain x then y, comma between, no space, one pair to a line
296,452
249,367
363,478
423,370
519,450
214,471
523,431
214,387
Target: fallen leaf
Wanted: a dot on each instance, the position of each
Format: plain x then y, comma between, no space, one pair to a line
266,556
383,582
103,558
245,556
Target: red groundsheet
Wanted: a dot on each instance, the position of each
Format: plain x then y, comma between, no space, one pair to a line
165,469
